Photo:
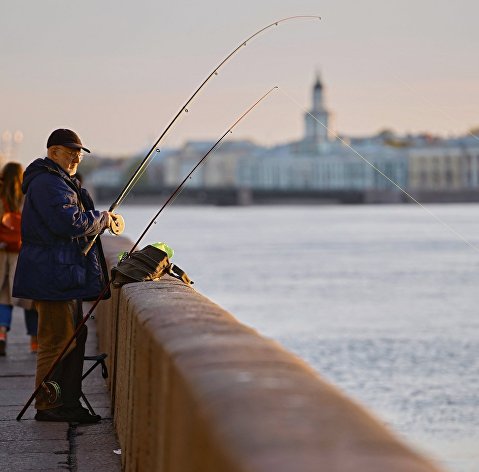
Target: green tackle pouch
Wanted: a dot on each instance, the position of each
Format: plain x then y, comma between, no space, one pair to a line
149,263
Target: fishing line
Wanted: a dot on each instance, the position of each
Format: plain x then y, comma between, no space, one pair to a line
439,220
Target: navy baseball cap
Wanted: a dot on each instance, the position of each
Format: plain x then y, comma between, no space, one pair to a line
67,138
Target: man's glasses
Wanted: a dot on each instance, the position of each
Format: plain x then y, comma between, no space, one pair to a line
74,155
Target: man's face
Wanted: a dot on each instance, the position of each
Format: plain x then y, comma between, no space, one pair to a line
68,159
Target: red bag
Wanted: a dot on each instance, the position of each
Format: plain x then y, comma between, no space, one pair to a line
10,229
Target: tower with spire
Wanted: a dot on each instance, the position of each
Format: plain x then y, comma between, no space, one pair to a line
317,121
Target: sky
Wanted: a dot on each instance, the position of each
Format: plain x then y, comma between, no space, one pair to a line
117,71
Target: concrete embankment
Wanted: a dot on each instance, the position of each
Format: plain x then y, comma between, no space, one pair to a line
194,390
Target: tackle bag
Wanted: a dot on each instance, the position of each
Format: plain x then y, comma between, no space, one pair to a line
10,229
149,263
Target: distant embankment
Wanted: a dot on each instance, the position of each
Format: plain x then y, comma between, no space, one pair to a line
231,196
194,390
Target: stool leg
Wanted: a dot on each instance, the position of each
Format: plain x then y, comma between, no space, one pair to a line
90,369
104,372
92,411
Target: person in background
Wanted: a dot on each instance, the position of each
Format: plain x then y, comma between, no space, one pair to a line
58,222
11,200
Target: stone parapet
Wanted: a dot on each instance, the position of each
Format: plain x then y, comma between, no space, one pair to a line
194,390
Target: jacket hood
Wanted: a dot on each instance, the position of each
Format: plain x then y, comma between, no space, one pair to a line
40,166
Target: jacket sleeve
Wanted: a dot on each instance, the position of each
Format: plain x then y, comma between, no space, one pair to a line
59,208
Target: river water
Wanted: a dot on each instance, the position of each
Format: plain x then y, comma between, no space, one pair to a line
380,300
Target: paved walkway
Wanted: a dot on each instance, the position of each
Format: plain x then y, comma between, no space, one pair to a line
32,445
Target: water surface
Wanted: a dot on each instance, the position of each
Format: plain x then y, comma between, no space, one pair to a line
381,300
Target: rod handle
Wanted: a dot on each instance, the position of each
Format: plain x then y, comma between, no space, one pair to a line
87,248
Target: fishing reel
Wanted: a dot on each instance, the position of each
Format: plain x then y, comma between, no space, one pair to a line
117,225
51,391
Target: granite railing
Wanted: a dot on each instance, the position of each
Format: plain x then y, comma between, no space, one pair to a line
194,390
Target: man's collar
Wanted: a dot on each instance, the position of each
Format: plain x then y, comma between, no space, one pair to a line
52,164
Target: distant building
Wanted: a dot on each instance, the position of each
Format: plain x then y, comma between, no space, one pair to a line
317,122
338,170
320,161
451,164
110,177
219,170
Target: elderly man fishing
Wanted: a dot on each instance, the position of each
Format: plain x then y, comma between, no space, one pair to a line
58,221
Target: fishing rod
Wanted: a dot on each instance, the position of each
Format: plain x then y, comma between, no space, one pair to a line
119,224
47,385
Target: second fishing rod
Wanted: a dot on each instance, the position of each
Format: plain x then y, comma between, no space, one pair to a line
44,382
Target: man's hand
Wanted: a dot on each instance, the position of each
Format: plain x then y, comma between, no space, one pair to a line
116,223
108,218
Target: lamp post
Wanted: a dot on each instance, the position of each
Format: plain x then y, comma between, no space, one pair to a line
10,143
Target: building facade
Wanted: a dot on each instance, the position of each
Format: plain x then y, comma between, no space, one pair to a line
449,165
322,161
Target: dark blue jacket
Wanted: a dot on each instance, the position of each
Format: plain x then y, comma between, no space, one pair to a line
58,218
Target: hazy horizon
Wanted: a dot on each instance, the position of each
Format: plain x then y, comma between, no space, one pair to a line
117,72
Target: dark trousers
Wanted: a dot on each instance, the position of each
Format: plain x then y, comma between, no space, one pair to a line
31,322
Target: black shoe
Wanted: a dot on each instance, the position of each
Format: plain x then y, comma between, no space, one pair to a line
82,415
68,415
